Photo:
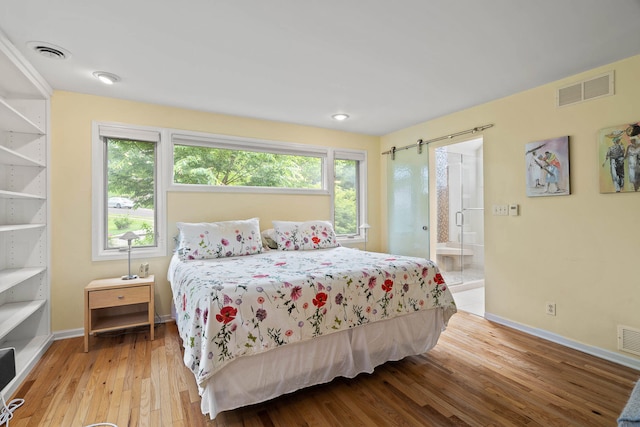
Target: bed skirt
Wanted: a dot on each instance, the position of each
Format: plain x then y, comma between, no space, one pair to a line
257,378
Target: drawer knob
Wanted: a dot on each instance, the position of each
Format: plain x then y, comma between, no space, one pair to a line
120,296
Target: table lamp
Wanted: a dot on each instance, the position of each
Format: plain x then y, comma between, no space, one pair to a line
365,227
129,236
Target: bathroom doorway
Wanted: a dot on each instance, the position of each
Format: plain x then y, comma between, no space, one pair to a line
460,221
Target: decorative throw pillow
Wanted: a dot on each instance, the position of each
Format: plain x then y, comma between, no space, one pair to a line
219,239
302,236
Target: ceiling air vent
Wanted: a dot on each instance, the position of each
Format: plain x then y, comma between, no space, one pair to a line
629,339
49,50
585,90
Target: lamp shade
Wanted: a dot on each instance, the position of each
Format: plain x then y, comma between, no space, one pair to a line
129,235
365,226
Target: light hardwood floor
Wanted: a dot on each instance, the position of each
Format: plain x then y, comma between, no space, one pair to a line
479,374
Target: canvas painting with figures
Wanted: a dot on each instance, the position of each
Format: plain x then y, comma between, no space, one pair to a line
619,154
547,166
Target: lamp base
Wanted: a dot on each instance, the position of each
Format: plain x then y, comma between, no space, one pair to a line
130,277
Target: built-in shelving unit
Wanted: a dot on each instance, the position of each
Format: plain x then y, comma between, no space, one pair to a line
24,212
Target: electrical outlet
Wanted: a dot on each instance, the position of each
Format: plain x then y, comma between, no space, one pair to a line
551,308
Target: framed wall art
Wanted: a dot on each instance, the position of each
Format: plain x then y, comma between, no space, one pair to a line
619,154
547,167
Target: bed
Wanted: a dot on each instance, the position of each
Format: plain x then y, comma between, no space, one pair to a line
259,323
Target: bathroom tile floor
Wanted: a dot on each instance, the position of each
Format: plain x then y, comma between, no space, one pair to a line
470,299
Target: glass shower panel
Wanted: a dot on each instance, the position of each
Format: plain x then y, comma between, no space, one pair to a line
460,224
408,196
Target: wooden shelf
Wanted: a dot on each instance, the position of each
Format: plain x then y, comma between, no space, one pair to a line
18,227
13,314
28,352
14,121
14,276
120,321
13,195
27,349
10,157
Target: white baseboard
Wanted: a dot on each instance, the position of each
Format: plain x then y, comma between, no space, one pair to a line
69,333
72,333
611,356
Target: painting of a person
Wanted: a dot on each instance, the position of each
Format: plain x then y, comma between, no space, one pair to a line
615,156
534,170
547,164
551,164
633,130
632,155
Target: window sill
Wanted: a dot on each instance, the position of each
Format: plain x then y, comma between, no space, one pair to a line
348,241
112,255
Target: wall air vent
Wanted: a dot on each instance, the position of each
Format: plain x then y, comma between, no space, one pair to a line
629,339
585,90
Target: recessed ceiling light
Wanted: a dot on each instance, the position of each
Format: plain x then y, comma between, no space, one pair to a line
106,78
340,117
49,50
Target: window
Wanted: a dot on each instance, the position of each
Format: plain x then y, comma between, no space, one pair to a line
126,194
131,189
217,162
349,193
129,193
225,167
345,197
207,162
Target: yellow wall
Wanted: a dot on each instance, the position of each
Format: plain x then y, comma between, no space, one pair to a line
581,251
71,216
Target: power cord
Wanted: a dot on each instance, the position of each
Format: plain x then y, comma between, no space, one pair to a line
6,412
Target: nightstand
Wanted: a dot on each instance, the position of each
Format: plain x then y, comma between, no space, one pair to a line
111,304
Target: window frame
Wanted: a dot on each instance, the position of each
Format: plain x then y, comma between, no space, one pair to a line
101,130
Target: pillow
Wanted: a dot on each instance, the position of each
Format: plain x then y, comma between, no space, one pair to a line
302,236
219,239
269,238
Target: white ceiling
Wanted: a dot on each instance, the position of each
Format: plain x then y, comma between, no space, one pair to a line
388,64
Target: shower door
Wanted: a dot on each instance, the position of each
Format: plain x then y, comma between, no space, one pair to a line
460,224
408,201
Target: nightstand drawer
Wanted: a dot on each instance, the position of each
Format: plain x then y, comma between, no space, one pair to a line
116,297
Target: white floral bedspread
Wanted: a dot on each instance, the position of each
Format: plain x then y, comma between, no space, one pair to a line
231,307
